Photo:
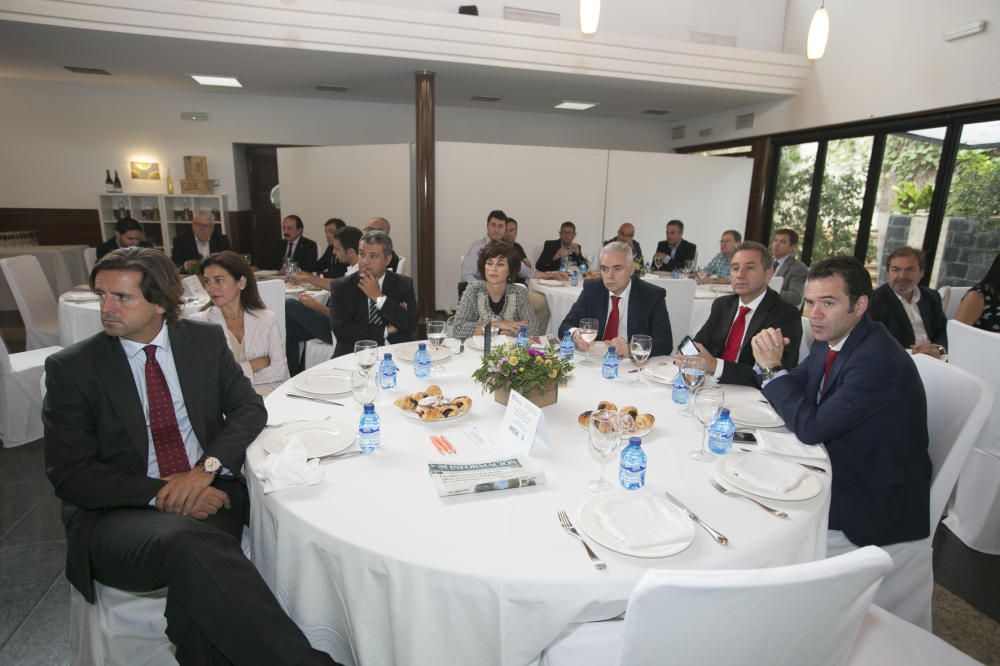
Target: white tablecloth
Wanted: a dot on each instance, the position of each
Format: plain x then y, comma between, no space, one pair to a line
561,299
78,321
63,266
377,569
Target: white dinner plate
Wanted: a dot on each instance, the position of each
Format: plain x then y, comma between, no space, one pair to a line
808,488
591,525
323,382
405,351
81,297
476,341
755,415
294,289
264,274
662,373
319,439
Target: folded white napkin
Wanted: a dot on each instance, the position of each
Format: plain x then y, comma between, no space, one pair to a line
787,444
289,469
767,472
643,522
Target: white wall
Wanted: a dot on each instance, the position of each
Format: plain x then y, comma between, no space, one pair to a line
883,58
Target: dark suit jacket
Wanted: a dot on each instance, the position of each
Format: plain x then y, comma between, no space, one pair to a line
349,311
686,251
328,266
772,312
111,245
647,312
887,309
305,254
96,447
185,248
872,416
545,259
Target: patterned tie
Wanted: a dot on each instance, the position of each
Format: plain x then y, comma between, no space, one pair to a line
831,356
171,457
732,348
374,317
611,330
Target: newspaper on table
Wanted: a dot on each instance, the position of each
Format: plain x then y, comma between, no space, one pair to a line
481,477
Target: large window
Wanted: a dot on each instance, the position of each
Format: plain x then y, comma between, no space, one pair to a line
796,164
840,201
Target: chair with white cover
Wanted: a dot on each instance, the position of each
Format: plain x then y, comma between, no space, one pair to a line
318,352
945,294
680,305
782,616
34,300
958,404
974,515
776,283
807,339
401,266
89,258
272,292
954,300
886,640
21,395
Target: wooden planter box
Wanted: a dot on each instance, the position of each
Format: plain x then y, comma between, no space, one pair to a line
543,398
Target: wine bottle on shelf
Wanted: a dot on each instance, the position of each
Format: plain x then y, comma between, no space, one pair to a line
109,185
118,182
170,183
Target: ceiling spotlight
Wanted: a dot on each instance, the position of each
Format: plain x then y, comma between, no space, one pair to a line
224,81
819,31
590,16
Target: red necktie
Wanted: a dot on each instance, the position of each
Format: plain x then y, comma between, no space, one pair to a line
171,457
831,356
611,330
732,348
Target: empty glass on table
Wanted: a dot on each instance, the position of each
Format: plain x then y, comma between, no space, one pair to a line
364,386
366,354
705,404
693,374
588,331
605,440
640,346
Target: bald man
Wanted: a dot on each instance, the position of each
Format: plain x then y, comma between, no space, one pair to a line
626,234
382,224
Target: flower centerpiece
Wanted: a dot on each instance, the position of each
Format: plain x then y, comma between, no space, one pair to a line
534,373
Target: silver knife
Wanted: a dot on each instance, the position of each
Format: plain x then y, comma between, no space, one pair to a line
338,456
718,536
815,468
306,397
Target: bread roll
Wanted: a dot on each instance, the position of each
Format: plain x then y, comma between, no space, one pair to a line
406,403
604,404
432,415
433,389
644,421
463,403
631,410
584,419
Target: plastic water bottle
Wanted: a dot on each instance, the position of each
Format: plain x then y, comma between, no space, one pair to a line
720,433
679,392
574,278
369,437
422,361
387,372
583,267
675,274
522,337
567,348
609,369
562,264
632,469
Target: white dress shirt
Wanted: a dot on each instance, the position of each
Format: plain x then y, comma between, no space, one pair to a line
913,314
753,305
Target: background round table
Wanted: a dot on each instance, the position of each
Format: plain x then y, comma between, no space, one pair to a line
377,569
80,320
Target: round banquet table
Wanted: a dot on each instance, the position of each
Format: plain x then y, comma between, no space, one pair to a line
63,265
78,320
376,568
561,299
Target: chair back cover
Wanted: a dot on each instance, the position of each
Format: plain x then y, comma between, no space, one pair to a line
89,258
4,359
783,616
777,282
954,300
807,339
680,306
34,299
272,292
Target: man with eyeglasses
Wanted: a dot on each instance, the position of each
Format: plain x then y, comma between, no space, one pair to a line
911,312
201,242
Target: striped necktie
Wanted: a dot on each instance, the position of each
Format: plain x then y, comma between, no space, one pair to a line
374,316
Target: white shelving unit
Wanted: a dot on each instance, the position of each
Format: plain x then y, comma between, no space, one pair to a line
162,216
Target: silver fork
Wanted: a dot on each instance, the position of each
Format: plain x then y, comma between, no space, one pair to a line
568,526
726,491
284,423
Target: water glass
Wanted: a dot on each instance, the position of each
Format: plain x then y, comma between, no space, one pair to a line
640,346
588,331
693,373
366,354
435,333
605,440
364,386
657,261
705,405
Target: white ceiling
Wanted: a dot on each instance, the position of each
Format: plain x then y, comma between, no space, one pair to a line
35,51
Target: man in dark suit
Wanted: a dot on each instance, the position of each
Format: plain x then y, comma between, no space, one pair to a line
626,234
674,252
724,340
128,233
786,266
554,250
293,246
201,242
511,237
328,265
910,312
372,304
622,306
859,393
146,427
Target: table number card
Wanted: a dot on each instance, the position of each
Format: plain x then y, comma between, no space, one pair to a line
523,426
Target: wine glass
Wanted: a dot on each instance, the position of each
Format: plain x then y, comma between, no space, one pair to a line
364,386
435,336
289,267
689,266
693,374
588,331
366,354
605,439
657,261
641,346
707,402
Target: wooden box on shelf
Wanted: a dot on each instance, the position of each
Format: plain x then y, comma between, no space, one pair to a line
196,168
196,186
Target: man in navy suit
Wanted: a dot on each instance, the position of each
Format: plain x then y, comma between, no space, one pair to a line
911,312
373,303
675,251
859,393
621,305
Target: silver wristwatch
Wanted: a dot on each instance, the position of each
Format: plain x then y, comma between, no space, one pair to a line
767,374
211,465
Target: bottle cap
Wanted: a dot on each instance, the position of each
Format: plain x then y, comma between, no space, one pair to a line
635,441
369,407
724,413
388,355
421,345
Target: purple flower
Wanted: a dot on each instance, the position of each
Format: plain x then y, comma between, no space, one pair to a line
535,352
